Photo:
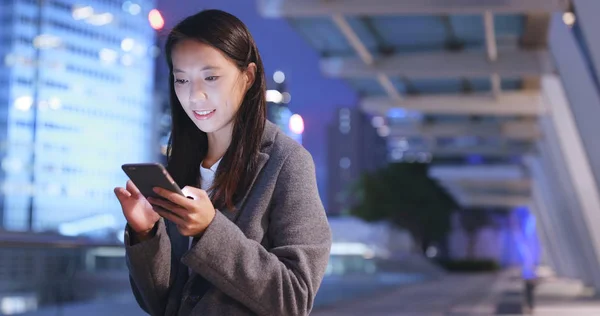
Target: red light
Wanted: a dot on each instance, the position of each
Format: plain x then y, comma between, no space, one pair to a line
296,124
156,20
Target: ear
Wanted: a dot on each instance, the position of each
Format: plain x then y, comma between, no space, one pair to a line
250,75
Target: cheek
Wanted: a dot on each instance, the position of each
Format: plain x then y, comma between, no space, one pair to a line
237,96
180,93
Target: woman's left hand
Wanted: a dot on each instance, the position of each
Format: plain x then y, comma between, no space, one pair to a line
191,214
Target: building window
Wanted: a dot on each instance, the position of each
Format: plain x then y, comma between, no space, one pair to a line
77,50
24,81
26,19
61,6
93,73
23,123
50,125
56,85
25,40
83,32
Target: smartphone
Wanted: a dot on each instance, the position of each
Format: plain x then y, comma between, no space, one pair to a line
146,176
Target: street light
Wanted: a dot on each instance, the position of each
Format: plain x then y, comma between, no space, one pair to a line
296,124
279,76
156,19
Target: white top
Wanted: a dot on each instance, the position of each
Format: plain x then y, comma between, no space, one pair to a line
208,175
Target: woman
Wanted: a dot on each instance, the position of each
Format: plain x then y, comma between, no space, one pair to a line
259,235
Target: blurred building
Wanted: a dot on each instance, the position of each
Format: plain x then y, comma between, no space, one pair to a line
77,82
280,115
354,147
278,112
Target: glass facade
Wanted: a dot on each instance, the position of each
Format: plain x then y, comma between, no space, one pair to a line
77,86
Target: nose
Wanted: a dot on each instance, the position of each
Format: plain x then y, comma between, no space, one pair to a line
197,94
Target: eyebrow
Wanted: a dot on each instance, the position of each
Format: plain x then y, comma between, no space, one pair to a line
177,70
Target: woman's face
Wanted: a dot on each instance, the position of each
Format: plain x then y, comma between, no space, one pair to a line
209,86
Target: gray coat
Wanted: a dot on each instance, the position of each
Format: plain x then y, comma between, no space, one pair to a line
268,258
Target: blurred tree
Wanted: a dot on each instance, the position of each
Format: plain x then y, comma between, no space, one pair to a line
405,195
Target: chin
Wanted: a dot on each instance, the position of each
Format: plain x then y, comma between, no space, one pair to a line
208,127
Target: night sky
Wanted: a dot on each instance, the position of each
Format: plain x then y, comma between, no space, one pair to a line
282,48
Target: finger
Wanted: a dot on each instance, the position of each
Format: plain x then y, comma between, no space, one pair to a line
122,192
174,197
122,195
135,192
169,215
183,231
169,206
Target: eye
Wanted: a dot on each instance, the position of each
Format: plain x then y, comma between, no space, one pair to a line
180,81
211,78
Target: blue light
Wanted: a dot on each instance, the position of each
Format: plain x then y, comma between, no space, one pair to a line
526,240
397,113
126,6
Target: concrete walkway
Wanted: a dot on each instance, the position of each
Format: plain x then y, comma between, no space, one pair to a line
451,295
473,295
566,297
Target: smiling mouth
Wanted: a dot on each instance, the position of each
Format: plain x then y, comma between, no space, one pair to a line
204,115
204,112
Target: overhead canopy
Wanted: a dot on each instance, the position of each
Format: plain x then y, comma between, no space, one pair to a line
453,78
389,50
309,8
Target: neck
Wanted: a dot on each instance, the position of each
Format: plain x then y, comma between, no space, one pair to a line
218,143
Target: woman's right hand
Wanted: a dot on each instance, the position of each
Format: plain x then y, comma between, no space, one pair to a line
137,210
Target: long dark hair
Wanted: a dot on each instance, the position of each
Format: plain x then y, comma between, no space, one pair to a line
188,145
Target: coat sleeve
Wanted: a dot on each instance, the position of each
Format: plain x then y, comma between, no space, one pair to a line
284,279
149,264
